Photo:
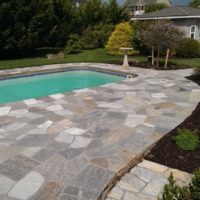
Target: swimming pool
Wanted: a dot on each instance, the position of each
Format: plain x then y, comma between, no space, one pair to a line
28,87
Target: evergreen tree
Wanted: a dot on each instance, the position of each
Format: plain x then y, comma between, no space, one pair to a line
122,36
195,3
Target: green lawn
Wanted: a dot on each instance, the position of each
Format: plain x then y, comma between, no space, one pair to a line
97,55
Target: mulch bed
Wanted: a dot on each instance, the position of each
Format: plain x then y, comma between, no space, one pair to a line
148,65
167,153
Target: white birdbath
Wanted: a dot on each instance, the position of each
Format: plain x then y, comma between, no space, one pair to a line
125,50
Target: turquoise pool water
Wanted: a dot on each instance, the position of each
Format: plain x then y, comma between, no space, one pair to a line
42,85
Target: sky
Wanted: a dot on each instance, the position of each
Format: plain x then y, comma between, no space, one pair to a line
175,2
180,2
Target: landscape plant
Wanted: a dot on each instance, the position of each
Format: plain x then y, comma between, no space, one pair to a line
73,45
96,36
188,48
172,191
122,36
194,186
162,36
29,25
195,3
186,140
139,27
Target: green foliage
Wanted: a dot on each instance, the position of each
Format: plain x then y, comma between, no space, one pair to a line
92,12
195,185
188,48
122,36
115,13
171,190
27,25
195,3
73,45
140,27
155,6
96,36
174,192
160,36
187,140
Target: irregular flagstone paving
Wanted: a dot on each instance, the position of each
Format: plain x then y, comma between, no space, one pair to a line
146,181
69,146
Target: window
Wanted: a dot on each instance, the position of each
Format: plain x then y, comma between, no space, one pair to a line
141,8
192,31
199,31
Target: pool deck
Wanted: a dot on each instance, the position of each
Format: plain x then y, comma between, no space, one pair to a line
71,146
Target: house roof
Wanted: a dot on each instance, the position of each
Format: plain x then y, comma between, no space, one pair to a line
172,13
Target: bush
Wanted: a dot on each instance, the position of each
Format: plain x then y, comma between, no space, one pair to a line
121,37
73,45
96,37
174,192
187,140
140,27
195,185
189,48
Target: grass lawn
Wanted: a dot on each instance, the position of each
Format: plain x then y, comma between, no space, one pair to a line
97,56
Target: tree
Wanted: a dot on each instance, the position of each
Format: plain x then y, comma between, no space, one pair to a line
162,36
121,37
115,13
195,3
28,24
92,12
96,36
155,6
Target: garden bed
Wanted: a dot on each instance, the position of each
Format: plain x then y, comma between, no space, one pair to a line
167,153
171,66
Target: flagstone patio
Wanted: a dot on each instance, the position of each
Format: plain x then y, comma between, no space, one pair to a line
146,181
70,146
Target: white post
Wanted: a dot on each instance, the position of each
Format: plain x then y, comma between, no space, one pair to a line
125,63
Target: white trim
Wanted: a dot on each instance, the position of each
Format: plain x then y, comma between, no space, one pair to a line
170,17
194,32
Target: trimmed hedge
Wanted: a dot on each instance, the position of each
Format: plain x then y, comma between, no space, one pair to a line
188,48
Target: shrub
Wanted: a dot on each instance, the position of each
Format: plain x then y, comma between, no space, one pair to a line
195,185
73,45
174,192
121,37
140,27
188,48
187,140
96,37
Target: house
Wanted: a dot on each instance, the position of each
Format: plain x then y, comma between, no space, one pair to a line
185,18
137,7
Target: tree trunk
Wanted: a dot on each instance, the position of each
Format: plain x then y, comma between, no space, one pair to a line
152,55
158,56
167,58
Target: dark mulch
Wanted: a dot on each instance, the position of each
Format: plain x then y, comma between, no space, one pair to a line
148,65
161,65
195,78
165,151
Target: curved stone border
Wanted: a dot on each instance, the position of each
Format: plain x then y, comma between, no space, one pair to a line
77,142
